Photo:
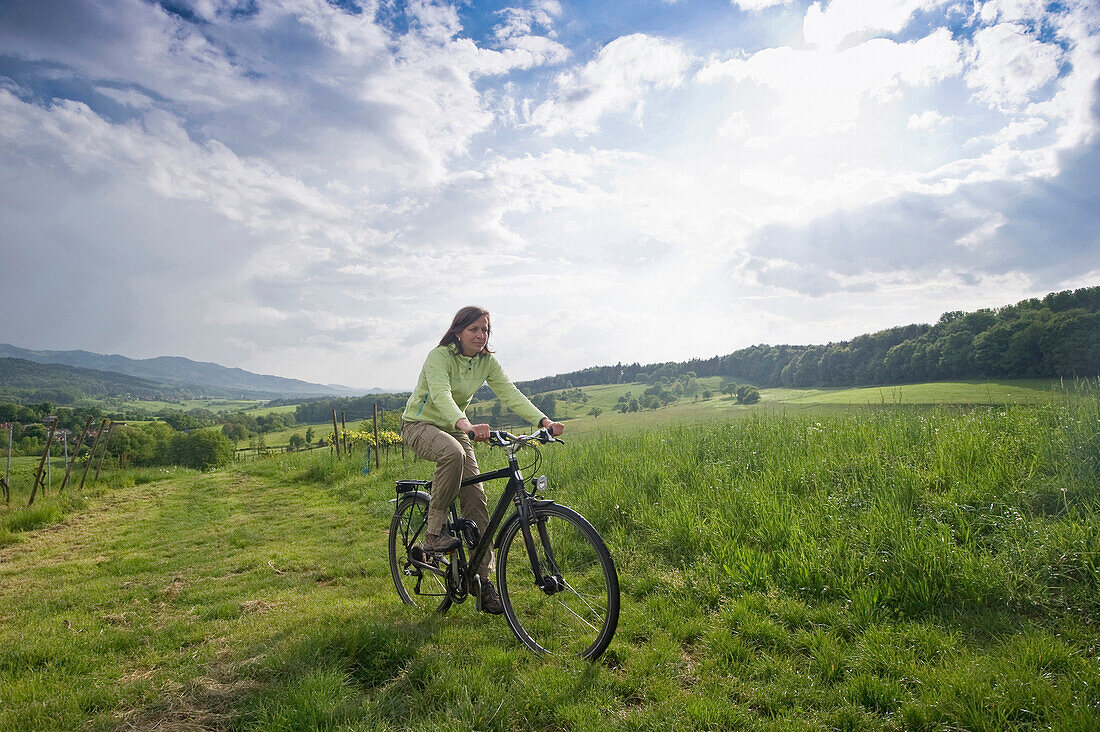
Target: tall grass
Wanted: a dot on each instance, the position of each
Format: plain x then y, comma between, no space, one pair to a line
904,512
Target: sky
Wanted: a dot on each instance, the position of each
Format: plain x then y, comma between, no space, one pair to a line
312,188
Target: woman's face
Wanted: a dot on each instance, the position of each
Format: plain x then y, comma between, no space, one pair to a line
474,336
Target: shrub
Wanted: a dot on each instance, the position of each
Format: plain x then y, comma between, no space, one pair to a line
203,450
747,394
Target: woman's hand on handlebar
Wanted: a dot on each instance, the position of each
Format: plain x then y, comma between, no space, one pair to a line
476,432
556,428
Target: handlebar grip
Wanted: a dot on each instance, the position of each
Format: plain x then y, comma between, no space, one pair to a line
470,434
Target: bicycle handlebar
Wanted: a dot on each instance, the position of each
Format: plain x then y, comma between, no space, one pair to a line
501,438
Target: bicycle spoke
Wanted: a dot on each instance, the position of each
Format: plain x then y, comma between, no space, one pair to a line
415,585
581,598
580,618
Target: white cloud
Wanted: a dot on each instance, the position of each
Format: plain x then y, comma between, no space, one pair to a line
983,234
519,22
1007,66
159,152
758,5
621,75
927,120
1011,10
1017,129
127,97
818,91
842,20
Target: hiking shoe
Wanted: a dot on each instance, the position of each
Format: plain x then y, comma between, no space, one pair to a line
489,600
441,543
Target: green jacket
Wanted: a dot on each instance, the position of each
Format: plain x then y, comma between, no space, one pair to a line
447,384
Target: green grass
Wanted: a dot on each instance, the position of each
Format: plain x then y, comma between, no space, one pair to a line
1009,391
874,568
258,409
694,407
183,405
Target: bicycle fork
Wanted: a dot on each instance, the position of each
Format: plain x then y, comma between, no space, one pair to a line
552,582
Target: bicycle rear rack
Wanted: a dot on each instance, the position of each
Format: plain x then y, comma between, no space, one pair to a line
405,486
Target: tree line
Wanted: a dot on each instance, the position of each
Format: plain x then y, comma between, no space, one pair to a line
354,408
1058,335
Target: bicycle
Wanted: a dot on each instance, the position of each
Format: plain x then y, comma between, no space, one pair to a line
555,576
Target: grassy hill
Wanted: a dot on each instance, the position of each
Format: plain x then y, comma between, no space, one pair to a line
870,568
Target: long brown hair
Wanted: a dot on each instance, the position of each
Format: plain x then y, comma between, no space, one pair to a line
461,321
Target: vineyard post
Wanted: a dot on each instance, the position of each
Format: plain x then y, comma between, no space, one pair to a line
106,439
344,427
335,434
7,470
377,446
91,453
42,463
76,450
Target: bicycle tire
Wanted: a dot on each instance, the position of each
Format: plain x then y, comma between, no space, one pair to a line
415,586
579,620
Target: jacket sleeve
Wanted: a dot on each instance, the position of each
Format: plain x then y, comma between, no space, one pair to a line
439,387
511,396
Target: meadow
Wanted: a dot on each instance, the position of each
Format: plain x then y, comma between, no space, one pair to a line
854,568
722,407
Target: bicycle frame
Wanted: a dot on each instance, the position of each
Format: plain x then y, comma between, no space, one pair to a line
563,552
515,494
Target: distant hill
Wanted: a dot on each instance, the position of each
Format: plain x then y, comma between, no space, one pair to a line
23,381
209,379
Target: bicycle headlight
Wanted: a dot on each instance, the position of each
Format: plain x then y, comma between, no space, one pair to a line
541,484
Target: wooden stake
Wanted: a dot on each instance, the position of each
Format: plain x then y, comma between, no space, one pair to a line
7,490
106,439
335,434
344,423
76,451
91,453
7,470
377,447
42,463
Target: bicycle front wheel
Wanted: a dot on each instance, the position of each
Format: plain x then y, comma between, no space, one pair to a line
415,585
576,613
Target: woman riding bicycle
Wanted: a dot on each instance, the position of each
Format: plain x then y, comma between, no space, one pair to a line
435,427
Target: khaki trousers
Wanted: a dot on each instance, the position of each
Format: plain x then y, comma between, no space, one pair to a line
453,455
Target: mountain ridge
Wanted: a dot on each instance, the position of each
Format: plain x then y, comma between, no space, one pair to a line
183,372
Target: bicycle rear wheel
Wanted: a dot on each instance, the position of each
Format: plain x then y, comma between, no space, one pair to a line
415,585
579,616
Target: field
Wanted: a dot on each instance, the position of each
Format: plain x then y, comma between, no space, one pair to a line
182,405
850,568
718,406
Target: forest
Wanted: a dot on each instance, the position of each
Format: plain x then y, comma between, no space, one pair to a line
1056,336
